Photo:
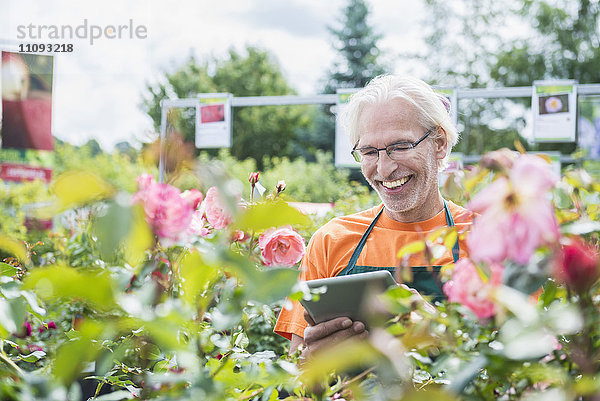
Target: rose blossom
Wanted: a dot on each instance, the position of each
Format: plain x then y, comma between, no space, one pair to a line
281,247
166,211
466,287
216,214
253,178
516,217
193,197
577,265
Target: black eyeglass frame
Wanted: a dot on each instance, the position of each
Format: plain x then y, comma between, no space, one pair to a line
409,145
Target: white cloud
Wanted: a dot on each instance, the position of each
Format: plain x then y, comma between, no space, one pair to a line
98,88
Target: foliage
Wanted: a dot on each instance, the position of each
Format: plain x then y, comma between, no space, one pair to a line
189,315
317,181
259,131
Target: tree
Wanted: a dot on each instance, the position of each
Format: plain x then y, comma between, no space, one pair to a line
566,44
356,44
482,43
257,131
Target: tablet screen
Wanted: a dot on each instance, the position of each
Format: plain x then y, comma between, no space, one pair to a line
350,296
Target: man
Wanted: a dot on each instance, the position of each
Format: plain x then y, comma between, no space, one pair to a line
403,135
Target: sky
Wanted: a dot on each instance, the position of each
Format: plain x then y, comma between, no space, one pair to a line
99,86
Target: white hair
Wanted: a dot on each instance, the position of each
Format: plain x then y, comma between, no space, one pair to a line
433,108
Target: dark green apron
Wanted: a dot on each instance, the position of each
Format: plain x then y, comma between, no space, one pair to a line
425,279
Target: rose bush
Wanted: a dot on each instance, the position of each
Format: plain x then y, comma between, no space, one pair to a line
134,299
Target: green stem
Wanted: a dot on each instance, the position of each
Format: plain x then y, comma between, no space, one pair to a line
4,358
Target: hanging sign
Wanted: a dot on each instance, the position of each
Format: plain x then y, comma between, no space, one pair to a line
554,106
213,120
27,143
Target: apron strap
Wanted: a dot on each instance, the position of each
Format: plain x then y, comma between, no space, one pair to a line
348,269
360,246
450,223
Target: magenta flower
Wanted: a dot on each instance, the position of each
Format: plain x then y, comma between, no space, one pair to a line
216,213
517,216
166,210
281,247
577,265
467,288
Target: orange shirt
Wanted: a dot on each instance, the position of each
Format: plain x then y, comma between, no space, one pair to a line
330,249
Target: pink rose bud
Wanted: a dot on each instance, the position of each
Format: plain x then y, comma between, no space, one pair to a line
253,178
281,247
577,265
51,325
280,186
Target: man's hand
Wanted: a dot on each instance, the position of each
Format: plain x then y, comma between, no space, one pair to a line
323,335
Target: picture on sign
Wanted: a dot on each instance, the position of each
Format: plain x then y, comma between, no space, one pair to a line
212,113
27,141
213,121
554,106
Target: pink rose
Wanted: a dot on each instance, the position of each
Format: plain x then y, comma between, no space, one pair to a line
281,247
193,197
216,214
517,216
166,211
466,287
144,181
198,224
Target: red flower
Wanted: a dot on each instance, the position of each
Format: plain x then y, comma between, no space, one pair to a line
577,265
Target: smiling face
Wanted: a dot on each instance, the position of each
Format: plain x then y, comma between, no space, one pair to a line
408,188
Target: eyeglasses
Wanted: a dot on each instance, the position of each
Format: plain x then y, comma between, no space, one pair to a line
395,151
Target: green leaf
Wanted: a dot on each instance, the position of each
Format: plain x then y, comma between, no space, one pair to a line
13,246
33,357
581,227
411,248
72,355
270,214
79,188
111,228
266,286
12,315
467,374
196,276
115,396
7,270
139,239
66,282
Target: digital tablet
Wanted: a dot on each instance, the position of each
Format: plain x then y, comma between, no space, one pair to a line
349,296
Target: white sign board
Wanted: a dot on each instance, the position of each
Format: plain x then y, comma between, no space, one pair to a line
213,120
554,106
343,147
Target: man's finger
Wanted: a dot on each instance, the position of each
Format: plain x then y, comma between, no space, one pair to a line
357,330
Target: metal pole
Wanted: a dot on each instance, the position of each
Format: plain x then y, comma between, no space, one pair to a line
163,136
